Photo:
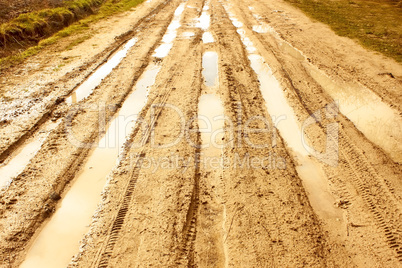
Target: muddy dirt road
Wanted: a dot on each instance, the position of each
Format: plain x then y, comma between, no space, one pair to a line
212,133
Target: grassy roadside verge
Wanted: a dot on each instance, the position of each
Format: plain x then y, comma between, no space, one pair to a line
376,24
108,8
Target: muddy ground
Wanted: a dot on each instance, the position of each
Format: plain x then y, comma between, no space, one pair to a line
101,156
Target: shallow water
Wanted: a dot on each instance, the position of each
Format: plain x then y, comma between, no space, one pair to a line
86,88
59,239
309,170
167,40
21,159
210,68
376,120
207,38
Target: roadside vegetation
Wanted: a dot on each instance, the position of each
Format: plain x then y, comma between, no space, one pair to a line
376,24
29,33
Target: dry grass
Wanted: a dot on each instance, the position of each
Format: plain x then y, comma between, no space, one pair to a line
376,24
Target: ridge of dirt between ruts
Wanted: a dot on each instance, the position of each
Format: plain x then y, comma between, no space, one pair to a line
339,57
148,215
362,167
32,90
34,197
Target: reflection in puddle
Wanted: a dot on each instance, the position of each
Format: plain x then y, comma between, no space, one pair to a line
246,41
86,88
283,45
18,162
265,28
376,120
188,34
211,123
290,50
170,35
207,38
59,240
204,20
309,170
210,108
210,68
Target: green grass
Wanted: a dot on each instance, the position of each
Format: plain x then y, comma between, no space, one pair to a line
32,22
376,24
107,9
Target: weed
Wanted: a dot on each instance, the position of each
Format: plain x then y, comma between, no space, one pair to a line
376,24
107,9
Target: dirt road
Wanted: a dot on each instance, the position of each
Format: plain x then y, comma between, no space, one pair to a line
212,133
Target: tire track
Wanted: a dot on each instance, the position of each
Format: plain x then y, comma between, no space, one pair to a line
189,232
118,222
379,200
377,194
27,226
121,41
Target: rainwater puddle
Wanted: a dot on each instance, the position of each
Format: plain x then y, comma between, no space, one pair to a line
59,240
188,35
284,46
204,20
376,120
207,38
167,41
211,123
265,28
18,162
211,112
210,68
86,88
309,170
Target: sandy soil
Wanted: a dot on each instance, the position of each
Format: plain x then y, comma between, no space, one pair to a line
169,201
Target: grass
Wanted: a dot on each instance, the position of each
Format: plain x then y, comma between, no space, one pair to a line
108,8
376,24
34,22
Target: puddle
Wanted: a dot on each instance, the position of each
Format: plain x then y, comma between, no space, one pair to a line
59,239
188,34
211,123
167,41
309,170
86,88
290,50
376,120
204,20
210,68
283,45
207,38
19,161
314,179
246,41
261,28
210,108
265,28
